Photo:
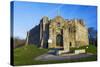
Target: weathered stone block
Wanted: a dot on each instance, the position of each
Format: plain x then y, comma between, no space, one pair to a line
80,51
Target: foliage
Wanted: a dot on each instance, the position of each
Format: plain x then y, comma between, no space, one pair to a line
18,42
91,49
92,34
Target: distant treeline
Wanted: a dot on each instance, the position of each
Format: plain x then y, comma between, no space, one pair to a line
17,42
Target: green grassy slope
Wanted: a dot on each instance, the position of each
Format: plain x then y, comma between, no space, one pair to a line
91,49
25,56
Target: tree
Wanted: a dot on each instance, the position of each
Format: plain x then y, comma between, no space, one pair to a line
18,42
92,34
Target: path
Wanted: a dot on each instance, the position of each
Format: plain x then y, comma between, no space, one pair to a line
49,56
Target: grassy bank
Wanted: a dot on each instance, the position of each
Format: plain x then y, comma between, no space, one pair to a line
26,55
90,49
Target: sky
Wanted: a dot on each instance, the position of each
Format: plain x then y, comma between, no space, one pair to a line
27,15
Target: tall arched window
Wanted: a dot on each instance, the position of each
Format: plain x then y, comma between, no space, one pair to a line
58,24
59,40
70,44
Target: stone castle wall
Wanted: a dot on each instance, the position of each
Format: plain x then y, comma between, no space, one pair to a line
73,32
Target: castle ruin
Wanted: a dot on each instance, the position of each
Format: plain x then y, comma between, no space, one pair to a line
61,33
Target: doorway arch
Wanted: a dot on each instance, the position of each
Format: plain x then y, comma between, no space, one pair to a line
59,40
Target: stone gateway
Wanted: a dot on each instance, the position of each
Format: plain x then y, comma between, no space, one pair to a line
61,33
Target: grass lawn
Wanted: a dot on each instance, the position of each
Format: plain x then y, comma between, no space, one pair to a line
90,49
25,56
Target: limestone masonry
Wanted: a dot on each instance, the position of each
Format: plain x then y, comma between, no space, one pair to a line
60,33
